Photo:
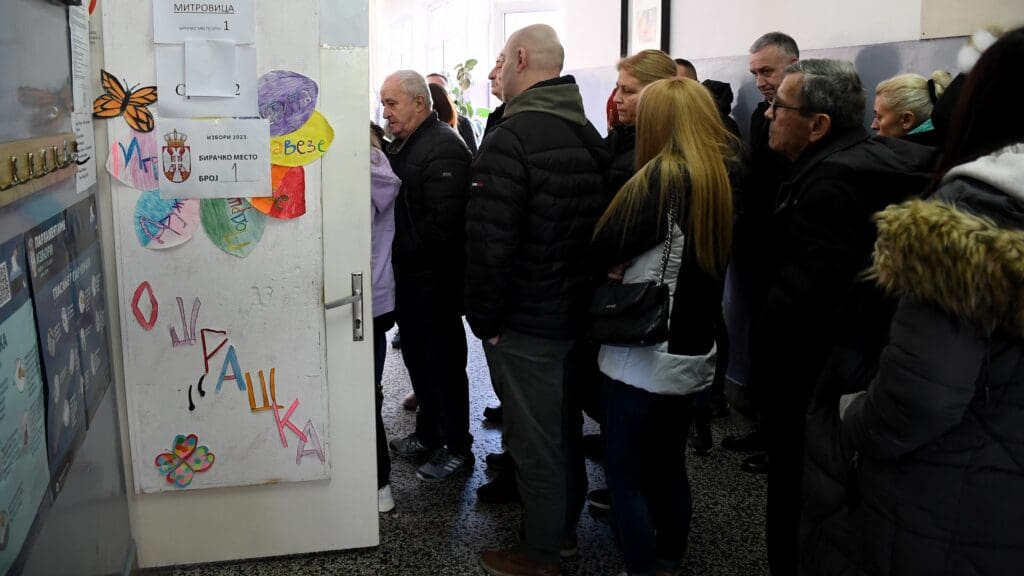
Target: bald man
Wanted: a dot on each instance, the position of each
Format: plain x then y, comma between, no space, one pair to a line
537,192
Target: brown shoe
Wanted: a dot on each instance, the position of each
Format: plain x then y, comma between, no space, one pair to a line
409,403
513,562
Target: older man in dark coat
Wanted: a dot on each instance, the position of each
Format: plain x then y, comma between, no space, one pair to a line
819,239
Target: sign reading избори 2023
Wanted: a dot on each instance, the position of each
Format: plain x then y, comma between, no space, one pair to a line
216,158
175,20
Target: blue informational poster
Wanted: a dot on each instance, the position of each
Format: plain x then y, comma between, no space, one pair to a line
24,474
90,300
53,280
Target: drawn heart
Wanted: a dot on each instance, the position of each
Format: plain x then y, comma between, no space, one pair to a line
185,445
201,459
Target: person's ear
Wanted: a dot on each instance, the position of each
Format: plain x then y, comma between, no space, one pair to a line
521,59
820,126
907,120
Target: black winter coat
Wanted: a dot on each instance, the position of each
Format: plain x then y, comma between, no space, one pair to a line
819,238
621,143
429,247
537,192
939,435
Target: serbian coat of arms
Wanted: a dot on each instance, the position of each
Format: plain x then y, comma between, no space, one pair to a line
177,158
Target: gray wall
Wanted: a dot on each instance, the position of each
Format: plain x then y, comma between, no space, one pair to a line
874,62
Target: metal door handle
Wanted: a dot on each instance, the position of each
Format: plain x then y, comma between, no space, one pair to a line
356,300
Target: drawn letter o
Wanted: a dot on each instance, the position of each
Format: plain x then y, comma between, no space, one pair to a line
153,304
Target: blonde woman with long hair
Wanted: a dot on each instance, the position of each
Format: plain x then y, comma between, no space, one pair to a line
681,154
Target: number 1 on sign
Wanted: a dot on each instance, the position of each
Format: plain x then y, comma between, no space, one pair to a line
225,24
235,168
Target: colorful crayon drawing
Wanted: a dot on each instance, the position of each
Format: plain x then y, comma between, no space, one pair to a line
161,224
305,145
134,158
289,199
287,99
184,460
232,224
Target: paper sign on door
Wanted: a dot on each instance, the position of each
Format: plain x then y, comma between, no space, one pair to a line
174,21
222,158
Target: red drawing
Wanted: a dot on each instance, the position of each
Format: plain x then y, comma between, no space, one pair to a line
154,306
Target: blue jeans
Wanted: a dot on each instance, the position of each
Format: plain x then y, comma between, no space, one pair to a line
645,465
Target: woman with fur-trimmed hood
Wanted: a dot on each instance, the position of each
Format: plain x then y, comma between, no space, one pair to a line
937,439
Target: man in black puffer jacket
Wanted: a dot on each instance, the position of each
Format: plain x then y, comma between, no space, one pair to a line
537,193
428,258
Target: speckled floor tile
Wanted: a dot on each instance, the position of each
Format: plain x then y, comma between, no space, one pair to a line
439,529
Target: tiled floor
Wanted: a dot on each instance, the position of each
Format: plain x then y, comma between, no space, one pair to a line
439,529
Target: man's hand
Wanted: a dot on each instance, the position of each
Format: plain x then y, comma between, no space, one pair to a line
494,341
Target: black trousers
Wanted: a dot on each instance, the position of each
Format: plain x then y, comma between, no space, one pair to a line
434,351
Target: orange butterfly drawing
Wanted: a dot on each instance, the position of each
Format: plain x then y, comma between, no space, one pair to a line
131,103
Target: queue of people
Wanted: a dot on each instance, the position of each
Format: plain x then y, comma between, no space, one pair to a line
874,282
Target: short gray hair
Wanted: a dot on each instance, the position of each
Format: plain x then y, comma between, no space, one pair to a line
831,87
413,84
784,42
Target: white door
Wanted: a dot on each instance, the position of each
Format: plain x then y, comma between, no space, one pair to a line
325,41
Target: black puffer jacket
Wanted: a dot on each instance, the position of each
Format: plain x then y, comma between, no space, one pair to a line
939,435
538,190
433,164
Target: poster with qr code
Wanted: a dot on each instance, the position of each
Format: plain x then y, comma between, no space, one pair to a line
5,284
24,474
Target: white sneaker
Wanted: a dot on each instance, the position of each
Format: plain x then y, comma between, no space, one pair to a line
385,500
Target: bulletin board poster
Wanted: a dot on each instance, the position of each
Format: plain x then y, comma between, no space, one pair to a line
89,299
24,474
52,279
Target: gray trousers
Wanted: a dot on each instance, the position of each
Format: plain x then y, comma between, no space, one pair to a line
531,372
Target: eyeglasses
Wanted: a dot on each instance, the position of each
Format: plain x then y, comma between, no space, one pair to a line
774,103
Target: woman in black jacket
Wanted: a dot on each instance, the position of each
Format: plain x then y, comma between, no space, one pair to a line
635,73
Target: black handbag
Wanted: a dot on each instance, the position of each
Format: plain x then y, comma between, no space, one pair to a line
634,314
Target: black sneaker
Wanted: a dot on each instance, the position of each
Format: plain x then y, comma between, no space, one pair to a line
701,441
600,499
593,446
494,414
409,446
756,464
753,441
501,490
444,464
499,461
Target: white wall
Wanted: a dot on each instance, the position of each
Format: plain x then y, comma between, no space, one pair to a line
591,33
702,29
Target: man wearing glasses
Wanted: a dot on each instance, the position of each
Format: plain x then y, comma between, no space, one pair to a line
818,240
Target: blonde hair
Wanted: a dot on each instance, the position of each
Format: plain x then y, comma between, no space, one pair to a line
682,142
911,93
649,65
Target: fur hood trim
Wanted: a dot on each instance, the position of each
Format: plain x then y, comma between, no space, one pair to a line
958,261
